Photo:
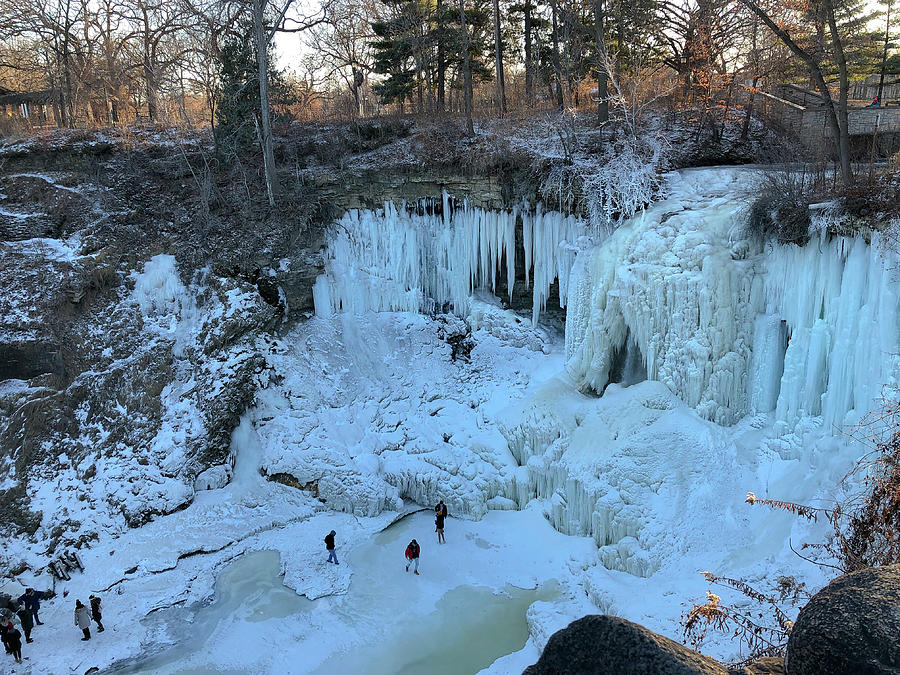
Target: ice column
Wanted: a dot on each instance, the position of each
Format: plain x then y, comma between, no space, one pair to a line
838,300
395,260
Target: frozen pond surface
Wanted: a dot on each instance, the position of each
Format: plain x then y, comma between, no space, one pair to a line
395,622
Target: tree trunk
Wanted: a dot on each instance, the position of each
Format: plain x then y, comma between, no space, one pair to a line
441,58
259,35
467,68
602,64
557,69
529,58
745,128
843,95
884,54
498,59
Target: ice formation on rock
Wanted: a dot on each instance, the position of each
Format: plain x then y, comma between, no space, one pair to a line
808,336
801,331
398,260
676,282
831,311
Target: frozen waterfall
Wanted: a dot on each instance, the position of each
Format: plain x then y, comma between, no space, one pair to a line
732,327
397,260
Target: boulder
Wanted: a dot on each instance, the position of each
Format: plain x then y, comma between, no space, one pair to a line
770,665
608,645
852,627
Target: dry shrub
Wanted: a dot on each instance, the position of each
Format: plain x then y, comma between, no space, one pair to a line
876,197
781,211
761,630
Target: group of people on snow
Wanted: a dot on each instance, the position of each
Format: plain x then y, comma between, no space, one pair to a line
413,550
83,616
26,610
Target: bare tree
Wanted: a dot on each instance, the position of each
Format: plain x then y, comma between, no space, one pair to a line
343,45
835,111
602,60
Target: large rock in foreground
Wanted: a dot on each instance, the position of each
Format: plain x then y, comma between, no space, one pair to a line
608,645
850,627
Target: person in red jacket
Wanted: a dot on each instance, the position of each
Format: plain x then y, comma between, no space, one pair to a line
412,556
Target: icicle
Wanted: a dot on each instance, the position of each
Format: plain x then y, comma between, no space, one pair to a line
412,259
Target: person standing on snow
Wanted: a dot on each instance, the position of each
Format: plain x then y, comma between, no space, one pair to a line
96,612
439,527
329,546
83,619
441,509
14,641
412,556
4,635
32,601
27,621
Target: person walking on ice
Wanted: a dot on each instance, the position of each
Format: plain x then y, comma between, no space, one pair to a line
329,546
97,612
83,619
439,527
412,556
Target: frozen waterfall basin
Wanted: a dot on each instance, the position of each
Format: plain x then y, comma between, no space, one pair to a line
466,608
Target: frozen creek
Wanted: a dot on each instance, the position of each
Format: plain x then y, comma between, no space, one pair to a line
724,367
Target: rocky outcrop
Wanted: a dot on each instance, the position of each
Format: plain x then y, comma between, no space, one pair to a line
771,665
850,627
609,645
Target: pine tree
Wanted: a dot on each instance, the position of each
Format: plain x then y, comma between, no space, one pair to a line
238,106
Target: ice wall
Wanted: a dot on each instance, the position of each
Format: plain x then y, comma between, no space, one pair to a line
394,260
831,311
677,281
730,327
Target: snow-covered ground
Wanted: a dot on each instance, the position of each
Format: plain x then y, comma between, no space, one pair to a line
562,500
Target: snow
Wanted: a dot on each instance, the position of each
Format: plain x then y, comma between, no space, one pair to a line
159,291
598,474
47,248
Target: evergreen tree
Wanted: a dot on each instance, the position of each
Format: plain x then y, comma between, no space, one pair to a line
238,105
420,41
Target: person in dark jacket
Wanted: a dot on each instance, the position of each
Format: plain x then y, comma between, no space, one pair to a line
32,601
83,619
412,556
439,527
4,635
27,621
441,508
14,640
329,546
96,612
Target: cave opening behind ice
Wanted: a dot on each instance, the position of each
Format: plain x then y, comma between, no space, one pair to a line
627,363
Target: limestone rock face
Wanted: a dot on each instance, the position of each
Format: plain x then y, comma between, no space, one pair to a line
852,627
608,645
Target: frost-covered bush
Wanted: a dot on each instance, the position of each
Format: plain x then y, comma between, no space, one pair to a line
624,185
781,211
626,179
